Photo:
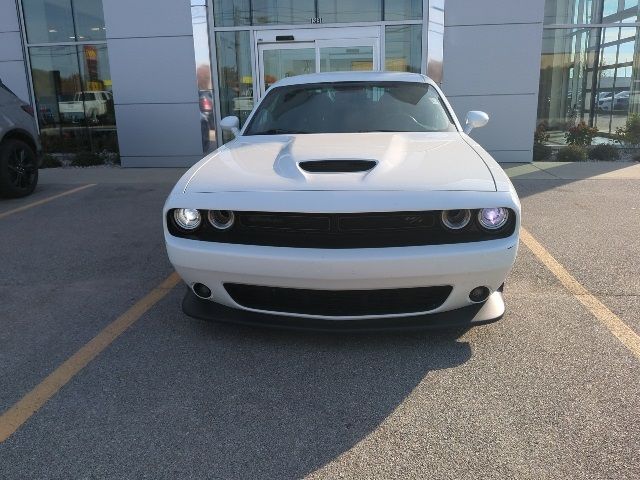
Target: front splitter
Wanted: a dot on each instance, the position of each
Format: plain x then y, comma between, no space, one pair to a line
490,311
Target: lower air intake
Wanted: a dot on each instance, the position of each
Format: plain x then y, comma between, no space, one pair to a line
339,303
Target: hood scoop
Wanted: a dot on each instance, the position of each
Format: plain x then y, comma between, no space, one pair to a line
337,166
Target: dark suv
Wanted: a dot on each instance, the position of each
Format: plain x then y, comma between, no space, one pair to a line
20,153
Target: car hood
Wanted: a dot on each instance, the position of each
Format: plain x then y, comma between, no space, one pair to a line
401,161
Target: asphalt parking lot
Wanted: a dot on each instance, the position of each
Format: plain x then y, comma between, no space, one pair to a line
549,391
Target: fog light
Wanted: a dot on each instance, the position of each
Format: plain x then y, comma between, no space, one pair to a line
187,218
479,294
201,290
221,219
493,218
455,219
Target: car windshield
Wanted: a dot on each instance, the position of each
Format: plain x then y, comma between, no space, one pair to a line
351,107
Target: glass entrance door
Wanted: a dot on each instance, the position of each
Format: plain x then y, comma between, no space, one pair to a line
280,59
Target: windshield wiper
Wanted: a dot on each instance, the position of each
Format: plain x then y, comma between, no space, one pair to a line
278,131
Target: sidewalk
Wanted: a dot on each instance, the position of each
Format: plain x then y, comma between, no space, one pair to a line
573,170
520,171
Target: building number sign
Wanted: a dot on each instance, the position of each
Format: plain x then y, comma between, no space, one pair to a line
316,20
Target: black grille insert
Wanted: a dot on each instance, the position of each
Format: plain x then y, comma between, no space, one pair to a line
337,166
340,230
339,303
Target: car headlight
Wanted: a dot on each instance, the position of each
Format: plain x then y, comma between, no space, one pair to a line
221,219
187,218
455,219
493,218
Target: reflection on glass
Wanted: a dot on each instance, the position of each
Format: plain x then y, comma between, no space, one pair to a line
203,75
336,11
619,12
268,12
89,20
403,10
282,63
584,79
74,103
230,13
48,21
339,59
566,56
235,75
561,12
403,48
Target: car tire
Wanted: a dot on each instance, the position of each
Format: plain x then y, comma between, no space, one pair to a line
18,169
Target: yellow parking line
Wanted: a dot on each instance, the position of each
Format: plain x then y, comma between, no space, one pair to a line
21,411
617,327
45,200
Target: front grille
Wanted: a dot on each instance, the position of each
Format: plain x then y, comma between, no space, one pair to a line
339,303
339,230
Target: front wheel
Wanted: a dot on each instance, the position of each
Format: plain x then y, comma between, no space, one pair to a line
18,169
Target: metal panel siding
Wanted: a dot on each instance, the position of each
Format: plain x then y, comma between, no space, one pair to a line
153,70
486,12
512,120
147,18
159,130
492,63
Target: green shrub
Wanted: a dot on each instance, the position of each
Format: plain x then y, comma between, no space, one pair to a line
49,161
580,134
86,159
572,153
606,151
630,133
541,152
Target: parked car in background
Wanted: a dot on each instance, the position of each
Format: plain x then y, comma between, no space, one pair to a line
619,101
20,152
92,104
206,107
348,200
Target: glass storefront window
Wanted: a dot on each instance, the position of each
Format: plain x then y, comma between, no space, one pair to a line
74,103
403,48
49,21
235,74
280,63
203,76
337,11
566,56
590,75
89,20
271,12
71,83
403,10
572,12
346,59
230,13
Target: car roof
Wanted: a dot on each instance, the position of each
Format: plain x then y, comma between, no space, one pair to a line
330,77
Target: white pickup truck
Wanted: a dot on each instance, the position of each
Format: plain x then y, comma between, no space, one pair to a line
95,104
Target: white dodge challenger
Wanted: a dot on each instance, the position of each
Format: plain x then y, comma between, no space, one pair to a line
347,201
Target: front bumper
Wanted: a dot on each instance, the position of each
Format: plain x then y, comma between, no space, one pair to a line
462,266
477,314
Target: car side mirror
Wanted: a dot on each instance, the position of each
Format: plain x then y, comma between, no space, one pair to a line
475,119
230,124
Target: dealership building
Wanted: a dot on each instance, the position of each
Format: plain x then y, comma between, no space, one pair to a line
151,79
